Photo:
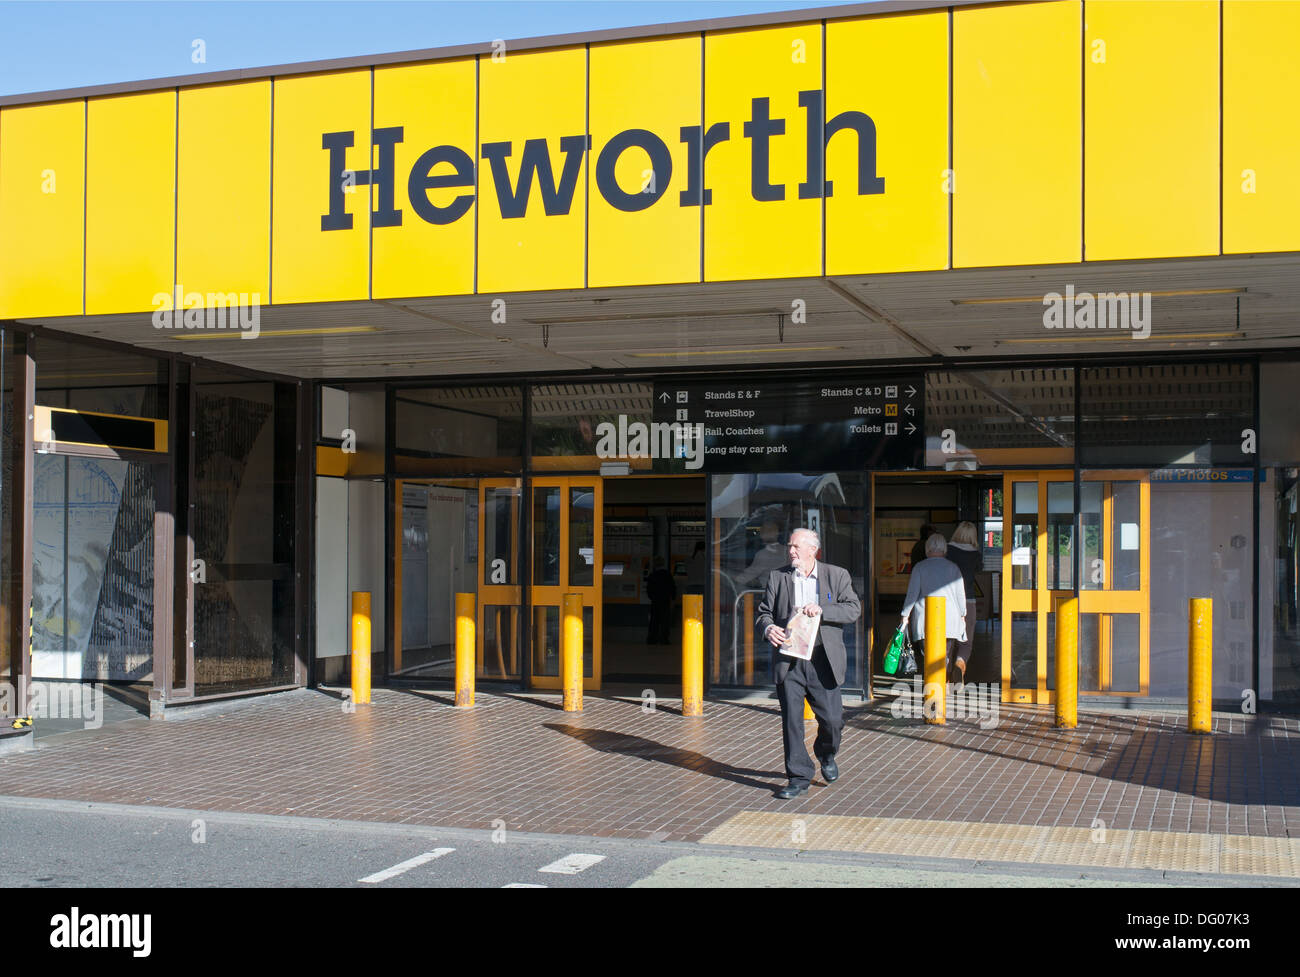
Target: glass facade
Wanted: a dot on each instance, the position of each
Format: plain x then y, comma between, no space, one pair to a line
93,582
242,523
93,569
439,559
752,518
454,430
1135,515
1134,487
986,418
1181,414
1283,632
13,346
1201,546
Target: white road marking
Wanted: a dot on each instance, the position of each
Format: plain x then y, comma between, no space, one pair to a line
572,864
522,885
407,865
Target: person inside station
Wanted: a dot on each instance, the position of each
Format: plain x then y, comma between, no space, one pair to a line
697,570
937,576
918,550
662,591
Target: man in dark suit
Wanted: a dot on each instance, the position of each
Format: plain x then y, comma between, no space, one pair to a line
814,588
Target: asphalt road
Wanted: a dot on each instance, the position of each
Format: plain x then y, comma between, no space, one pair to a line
49,843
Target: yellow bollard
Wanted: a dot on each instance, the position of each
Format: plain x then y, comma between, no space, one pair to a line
936,661
465,650
571,652
693,655
747,645
1200,661
361,647
1067,664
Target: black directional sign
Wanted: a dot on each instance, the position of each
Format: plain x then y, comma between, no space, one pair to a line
848,425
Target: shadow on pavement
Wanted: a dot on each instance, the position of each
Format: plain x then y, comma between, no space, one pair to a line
605,741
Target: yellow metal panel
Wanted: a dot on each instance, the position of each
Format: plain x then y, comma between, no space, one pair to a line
744,237
331,461
431,252
895,71
1017,135
309,263
223,198
1151,155
541,97
42,209
1261,75
649,90
130,202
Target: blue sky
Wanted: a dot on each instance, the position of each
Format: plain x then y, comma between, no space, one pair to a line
50,45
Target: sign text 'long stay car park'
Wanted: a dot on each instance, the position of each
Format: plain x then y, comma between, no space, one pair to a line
782,426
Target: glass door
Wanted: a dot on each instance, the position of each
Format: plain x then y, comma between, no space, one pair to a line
456,536
1039,554
567,557
1114,583
499,593
1037,567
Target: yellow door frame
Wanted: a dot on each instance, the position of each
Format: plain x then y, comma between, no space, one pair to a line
1106,601
1041,600
505,599
1021,600
542,596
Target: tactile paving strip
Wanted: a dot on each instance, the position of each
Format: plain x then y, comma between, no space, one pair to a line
1161,850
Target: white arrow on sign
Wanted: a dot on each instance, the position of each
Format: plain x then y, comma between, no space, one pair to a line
909,409
911,390
664,397
911,429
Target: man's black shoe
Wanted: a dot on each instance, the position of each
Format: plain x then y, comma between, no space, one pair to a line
791,790
830,771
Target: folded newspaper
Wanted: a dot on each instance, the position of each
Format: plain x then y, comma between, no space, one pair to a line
801,632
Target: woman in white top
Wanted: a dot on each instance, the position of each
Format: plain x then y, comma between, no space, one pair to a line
936,576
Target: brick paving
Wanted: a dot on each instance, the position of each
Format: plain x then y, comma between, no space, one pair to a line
615,770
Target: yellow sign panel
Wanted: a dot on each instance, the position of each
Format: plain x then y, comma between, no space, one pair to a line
224,240
532,166
130,202
1017,146
645,116
320,243
1151,106
763,207
887,75
1261,153
42,209
425,120
763,153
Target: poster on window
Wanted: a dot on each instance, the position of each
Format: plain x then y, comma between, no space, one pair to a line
896,536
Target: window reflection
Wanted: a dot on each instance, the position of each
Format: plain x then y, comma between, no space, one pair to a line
753,516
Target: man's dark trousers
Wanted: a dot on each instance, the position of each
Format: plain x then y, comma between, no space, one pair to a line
813,680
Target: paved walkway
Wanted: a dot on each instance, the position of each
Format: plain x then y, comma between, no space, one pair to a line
617,770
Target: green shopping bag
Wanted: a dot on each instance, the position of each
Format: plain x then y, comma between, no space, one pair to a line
895,650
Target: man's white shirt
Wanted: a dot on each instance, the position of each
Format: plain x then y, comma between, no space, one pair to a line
805,589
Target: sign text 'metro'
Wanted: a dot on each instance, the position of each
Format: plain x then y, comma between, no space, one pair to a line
535,165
